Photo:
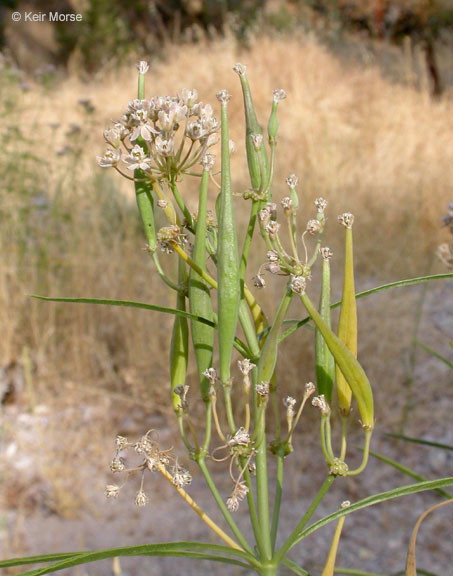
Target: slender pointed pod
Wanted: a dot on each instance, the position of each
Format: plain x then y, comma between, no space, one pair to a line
228,289
351,369
179,346
347,323
255,158
329,566
199,294
324,361
268,357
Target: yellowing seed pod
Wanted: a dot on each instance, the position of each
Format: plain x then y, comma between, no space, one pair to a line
351,369
347,323
228,290
199,296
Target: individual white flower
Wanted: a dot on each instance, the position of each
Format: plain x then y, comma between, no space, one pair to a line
142,67
320,402
257,140
189,97
298,284
326,253
320,204
111,158
223,96
208,162
262,389
113,136
239,69
313,226
292,181
141,499
245,366
232,504
112,491
278,95
347,219
181,477
240,438
195,130
137,159
164,147
143,128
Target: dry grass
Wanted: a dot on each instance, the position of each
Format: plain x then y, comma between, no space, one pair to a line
380,150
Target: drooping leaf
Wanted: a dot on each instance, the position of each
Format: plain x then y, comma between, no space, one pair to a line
375,499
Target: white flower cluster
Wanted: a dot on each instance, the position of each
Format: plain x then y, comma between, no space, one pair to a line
163,136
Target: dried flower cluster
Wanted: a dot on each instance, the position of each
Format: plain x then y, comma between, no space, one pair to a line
153,459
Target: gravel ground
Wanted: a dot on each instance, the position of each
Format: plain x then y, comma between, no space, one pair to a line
55,468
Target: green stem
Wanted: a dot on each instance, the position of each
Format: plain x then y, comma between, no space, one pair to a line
305,518
366,452
221,505
344,431
181,205
262,492
247,242
277,499
162,274
328,456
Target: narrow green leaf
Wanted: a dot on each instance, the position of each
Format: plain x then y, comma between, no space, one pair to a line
407,471
37,559
435,354
354,572
294,567
127,303
420,441
398,284
376,499
179,549
240,346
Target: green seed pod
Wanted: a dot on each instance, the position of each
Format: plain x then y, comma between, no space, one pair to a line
254,158
347,323
352,371
268,357
179,346
228,292
272,125
199,296
324,361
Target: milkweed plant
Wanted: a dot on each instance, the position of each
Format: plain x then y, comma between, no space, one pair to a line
158,144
